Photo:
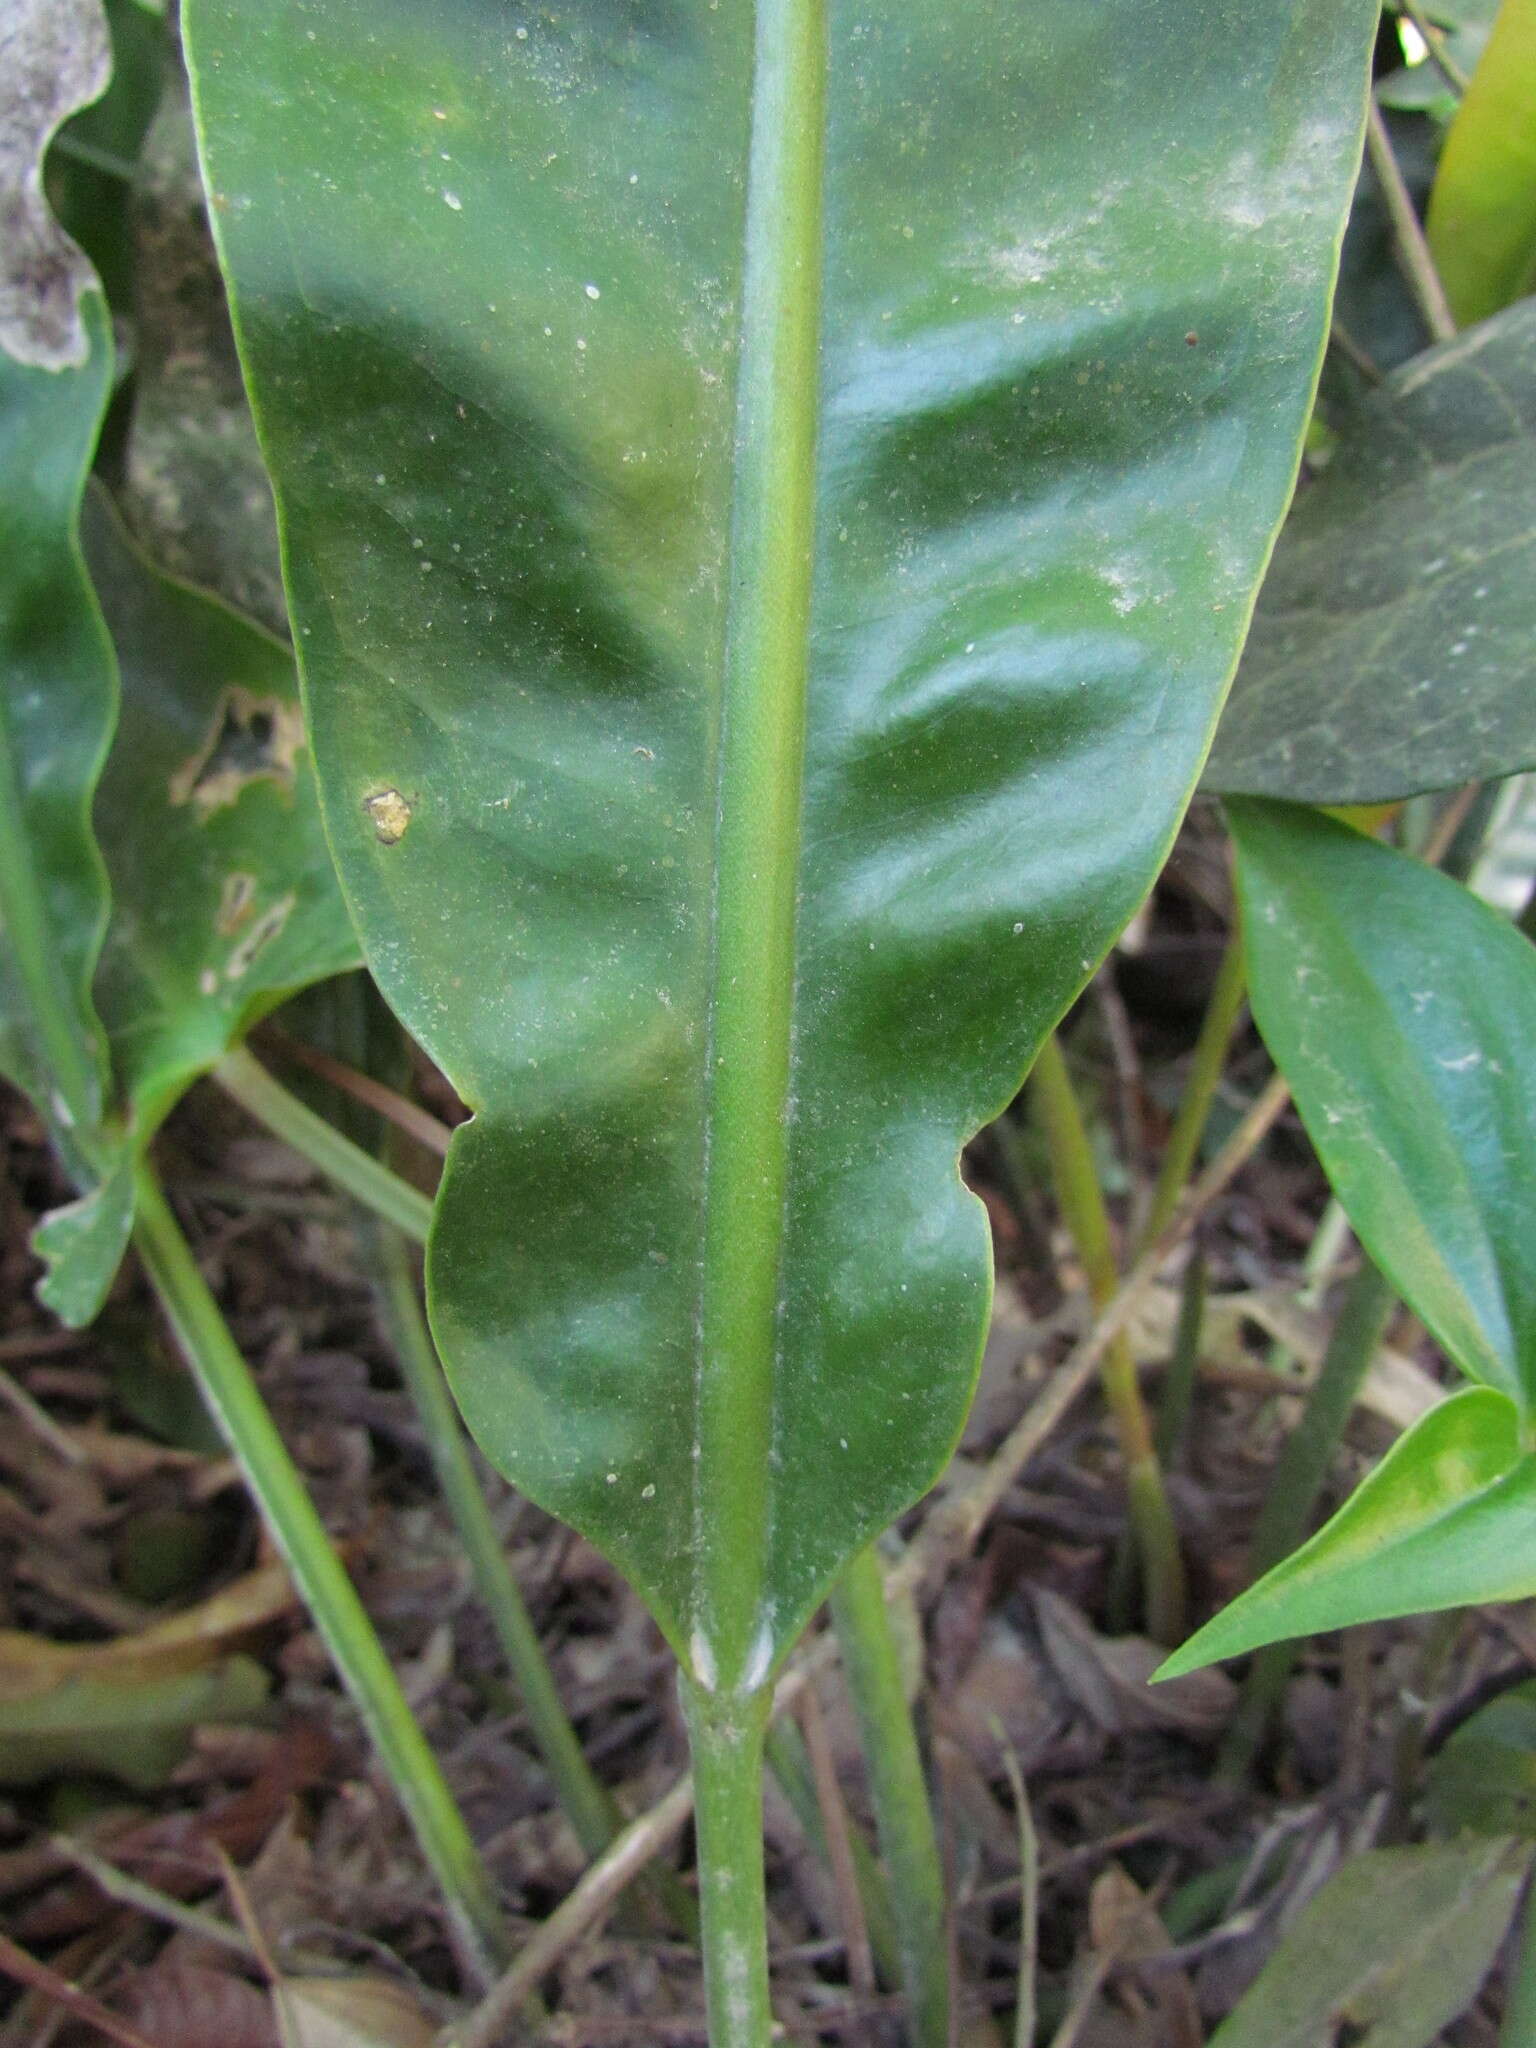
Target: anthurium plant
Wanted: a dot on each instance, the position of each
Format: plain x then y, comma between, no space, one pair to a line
749,479
773,494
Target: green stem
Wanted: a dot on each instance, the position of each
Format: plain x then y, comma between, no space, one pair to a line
1519,2028
726,1738
1083,1210
1194,1111
903,1816
1294,1486
586,1802
243,1077
588,1805
230,1390
49,1005
1184,1363
792,1768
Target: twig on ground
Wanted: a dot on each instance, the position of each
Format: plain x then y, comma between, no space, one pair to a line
575,1916
26,1969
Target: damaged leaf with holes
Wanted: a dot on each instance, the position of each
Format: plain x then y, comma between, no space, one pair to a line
223,897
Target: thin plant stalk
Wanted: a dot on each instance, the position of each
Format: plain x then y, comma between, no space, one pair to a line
230,1391
1294,1486
1183,1363
1087,1219
587,1804
1194,1111
725,1737
1519,2028
242,1076
791,1767
898,1791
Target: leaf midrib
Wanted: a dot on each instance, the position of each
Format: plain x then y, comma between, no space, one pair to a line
759,782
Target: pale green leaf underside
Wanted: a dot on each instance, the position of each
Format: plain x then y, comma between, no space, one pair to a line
1395,1945
735,773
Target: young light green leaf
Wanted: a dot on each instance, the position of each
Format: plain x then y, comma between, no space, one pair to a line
1400,1009
224,900
771,498
1443,1521
1390,650
1482,210
1393,1948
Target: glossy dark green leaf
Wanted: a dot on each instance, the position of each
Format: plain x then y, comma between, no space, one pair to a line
1391,1950
1391,648
1401,1010
223,896
759,633
1445,1520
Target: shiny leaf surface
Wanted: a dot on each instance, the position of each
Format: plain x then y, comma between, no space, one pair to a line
1391,648
769,524
1391,1950
1401,1011
1445,1520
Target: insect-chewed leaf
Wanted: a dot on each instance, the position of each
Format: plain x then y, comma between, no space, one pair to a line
771,499
224,900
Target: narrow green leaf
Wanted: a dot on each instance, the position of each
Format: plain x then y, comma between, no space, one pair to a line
1482,210
1445,1520
1390,651
224,901
1401,1011
771,499
59,694
1393,1948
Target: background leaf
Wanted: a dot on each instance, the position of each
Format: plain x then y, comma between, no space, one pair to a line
1400,1009
1444,1520
1391,647
1395,1945
223,896
1482,211
703,1272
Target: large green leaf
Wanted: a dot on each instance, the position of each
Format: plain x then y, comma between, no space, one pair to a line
1445,1520
1391,1950
771,498
1403,1013
58,685
1482,211
224,900
1391,648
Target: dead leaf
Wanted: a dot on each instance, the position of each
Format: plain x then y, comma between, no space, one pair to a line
352,2012
191,2005
55,57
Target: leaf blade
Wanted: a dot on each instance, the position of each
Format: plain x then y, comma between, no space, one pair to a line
1443,1521
1398,1005
1390,646
520,743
